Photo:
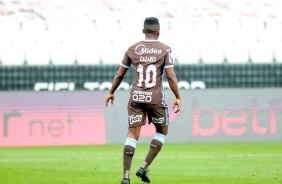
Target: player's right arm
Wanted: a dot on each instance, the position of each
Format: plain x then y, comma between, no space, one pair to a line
172,81
116,82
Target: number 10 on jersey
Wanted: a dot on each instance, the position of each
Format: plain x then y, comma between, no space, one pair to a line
150,80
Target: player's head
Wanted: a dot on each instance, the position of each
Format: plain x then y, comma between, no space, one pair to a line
151,26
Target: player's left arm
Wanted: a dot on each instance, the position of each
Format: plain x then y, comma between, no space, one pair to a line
116,82
172,80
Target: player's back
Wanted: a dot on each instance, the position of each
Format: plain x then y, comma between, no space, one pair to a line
148,58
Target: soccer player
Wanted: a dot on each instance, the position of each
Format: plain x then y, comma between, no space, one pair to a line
149,59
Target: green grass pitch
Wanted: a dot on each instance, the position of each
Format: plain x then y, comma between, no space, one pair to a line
176,164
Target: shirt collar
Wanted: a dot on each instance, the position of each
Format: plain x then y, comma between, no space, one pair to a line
150,40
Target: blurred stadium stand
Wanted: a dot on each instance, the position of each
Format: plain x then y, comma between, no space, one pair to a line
225,43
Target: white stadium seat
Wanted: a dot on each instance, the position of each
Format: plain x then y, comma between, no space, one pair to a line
275,27
113,53
107,28
252,27
181,25
87,53
236,52
278,52
37,53
33,26
11,45
37,50
261,52
83,25
205,29
228,24
63,53
12,52
187,52
228,28
212,52
59,30
10,27
132,27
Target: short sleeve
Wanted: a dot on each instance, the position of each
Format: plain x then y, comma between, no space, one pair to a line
126,62
168,59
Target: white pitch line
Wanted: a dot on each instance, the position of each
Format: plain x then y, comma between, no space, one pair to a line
224,156
30,160
160,157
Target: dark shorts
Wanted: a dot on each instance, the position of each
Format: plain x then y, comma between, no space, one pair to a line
137,113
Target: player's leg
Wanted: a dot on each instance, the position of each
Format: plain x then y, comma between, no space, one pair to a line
158,115
129,149
155,145
135,120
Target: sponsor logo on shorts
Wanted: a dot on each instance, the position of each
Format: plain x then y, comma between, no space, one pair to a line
135,119
141,49
158,120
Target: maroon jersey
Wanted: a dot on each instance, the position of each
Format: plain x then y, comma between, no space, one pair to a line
149,59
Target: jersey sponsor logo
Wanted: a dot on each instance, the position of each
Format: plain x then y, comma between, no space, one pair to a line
141,49
158,120
142,92
142,96
135,119
148,58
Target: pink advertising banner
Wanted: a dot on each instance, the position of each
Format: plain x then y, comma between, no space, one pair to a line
51,118
81,118
211,115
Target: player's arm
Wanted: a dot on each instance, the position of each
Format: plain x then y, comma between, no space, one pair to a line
172,81
116,82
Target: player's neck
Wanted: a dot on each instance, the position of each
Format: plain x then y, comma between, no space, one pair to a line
151,37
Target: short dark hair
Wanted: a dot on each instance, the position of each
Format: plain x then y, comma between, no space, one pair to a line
151,25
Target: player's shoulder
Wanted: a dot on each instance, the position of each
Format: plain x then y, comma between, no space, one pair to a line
164,46
162,43
134,45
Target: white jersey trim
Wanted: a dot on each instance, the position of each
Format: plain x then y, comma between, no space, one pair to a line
168,66
125,66
150,40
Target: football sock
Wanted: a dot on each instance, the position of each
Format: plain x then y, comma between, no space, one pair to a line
128,152
155,147
144,165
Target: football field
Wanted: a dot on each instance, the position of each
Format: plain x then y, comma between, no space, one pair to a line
176,164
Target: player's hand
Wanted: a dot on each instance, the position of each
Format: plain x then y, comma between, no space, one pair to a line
108,98
177,103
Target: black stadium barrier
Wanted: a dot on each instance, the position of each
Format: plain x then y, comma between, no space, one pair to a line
25,78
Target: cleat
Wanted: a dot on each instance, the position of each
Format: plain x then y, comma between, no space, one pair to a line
125,181
143,174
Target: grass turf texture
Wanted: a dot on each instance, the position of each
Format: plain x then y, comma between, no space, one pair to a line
176,164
